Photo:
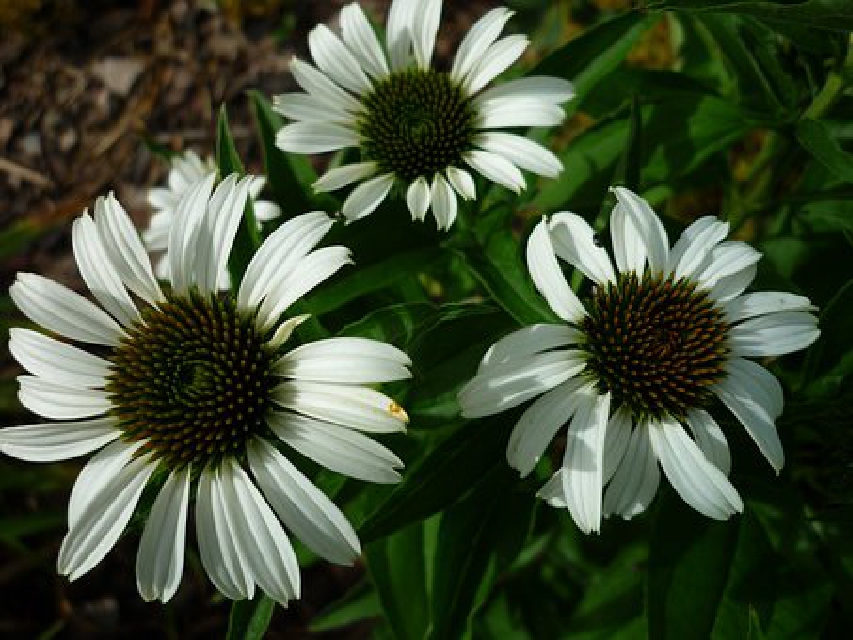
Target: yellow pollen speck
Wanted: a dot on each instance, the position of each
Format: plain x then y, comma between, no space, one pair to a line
398,412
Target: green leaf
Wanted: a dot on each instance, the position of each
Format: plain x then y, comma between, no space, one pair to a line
831,15
250,618
360,604
816,138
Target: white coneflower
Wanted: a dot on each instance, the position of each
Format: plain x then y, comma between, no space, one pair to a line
196,384
664,332
187,170
415,126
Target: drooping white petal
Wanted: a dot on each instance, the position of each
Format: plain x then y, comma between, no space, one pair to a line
629,250
160,558
518,111
727,259
316,267
539,424
757,410
98,272
636,479
574,241
532,88
345,361
336,61
125,249
279,255
762,303
56,361
496,168
366,197
418,198
184,233
303,508
710,439
60,402
729,287
648,226
258,535
498,58
462,182
444,205
315,137
555,491
774,334
103,520
699,483
583,459
309,108
58,309
753,377
549,278
502,386
57,440
523,343
342,176
521,152
337,448
355,407
424,30
319,85
359,36
616,441
692,252
476,42
398,32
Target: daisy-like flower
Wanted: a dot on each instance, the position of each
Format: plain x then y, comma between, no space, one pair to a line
664,332
193,387
416,126
189,169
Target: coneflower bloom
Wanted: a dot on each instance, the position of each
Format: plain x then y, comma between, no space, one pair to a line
415,126
188,169
195,388
664,334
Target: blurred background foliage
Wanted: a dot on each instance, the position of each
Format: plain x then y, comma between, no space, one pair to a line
735,108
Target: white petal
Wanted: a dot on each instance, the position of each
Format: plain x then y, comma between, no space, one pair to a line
337,448
125,249
753,377
756,410
366,197
498,58
398,28
574,242
629,250
649,227
761,303
583,459
59,402
636,480
184,234
774,334
359,36
555,491
345,361
350,406
307,107
476,42
444,205
734,285
316,267
522,152
56,361
549,278
259,537
699,483
58,309
418,198
502,386
101,524
279,255
525,342
335,60
285,330
342,176
692,253
303,508
160,558
727,259
215,534
98,272
424,30
319,85
57,440
496,168
710,439
462,181
616,441
539,424
315,137
533,88
518,111
265,211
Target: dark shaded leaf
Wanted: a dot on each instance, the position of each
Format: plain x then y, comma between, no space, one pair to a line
250,618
